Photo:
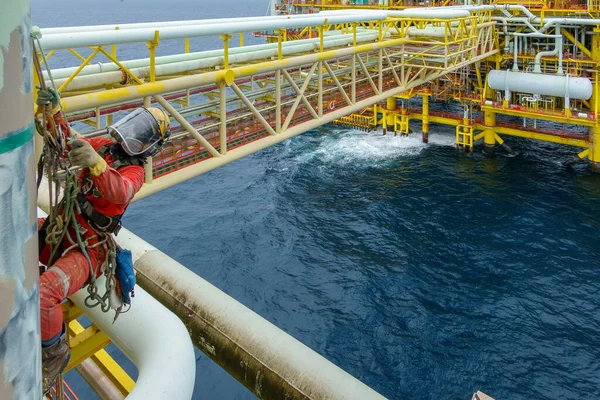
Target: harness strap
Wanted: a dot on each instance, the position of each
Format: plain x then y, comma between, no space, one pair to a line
99,221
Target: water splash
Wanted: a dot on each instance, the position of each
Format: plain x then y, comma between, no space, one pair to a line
342,147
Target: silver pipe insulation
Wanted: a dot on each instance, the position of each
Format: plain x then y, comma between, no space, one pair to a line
98,381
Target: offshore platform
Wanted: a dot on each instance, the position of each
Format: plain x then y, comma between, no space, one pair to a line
528,69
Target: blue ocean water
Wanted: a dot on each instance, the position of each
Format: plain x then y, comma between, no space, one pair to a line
423,272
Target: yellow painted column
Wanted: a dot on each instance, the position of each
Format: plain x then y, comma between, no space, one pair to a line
391,112
425,127
489,139
594,155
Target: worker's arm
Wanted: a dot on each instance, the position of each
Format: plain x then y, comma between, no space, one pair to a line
51,97
118,187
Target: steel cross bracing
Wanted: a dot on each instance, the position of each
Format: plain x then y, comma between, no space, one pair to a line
230,110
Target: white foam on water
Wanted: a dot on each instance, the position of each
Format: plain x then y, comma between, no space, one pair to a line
352,146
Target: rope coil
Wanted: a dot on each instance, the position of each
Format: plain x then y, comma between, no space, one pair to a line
62,213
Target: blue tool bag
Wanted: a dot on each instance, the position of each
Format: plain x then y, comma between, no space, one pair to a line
125,274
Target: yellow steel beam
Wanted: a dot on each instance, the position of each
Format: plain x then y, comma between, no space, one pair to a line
584,154
124,68
538,136
576,42
85,342
113,372
436,119
76,54
50,54
101,358
70,311
78,70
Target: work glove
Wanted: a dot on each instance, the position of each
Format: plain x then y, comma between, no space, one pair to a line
83,154
48,96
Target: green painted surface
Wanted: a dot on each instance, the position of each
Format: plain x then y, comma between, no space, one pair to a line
16,140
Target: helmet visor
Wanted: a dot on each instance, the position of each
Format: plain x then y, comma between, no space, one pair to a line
137,133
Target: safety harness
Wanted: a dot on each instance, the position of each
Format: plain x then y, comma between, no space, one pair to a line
98,220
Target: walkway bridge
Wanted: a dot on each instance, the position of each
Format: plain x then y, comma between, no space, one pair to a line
234,101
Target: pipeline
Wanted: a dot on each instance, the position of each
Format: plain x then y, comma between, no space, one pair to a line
61,73
265,359
168,24
111,78
102,38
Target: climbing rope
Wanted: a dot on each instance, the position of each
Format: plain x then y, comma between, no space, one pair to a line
62,213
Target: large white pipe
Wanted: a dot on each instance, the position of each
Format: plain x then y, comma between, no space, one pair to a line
542,84
207,59
102,38
151,336
268,361
530,17
144,62
504,8
166,24
429,13
110,78
429,31
566,21
155,340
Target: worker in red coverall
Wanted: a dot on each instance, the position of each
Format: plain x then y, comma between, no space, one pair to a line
112,174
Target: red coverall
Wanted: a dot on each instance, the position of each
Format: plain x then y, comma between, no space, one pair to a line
70,272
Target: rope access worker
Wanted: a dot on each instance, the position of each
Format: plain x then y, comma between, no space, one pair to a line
112,173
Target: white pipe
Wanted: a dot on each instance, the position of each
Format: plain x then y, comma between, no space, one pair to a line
150,335
102,38
270,362
144,62
155,340
110,78
541,84
433,13
566,21
557,50
531,18
166,24
502,7
516,54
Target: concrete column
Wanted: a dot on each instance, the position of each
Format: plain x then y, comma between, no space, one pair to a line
489,141
20,351
425,127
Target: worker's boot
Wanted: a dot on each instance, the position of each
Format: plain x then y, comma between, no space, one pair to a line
54,360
